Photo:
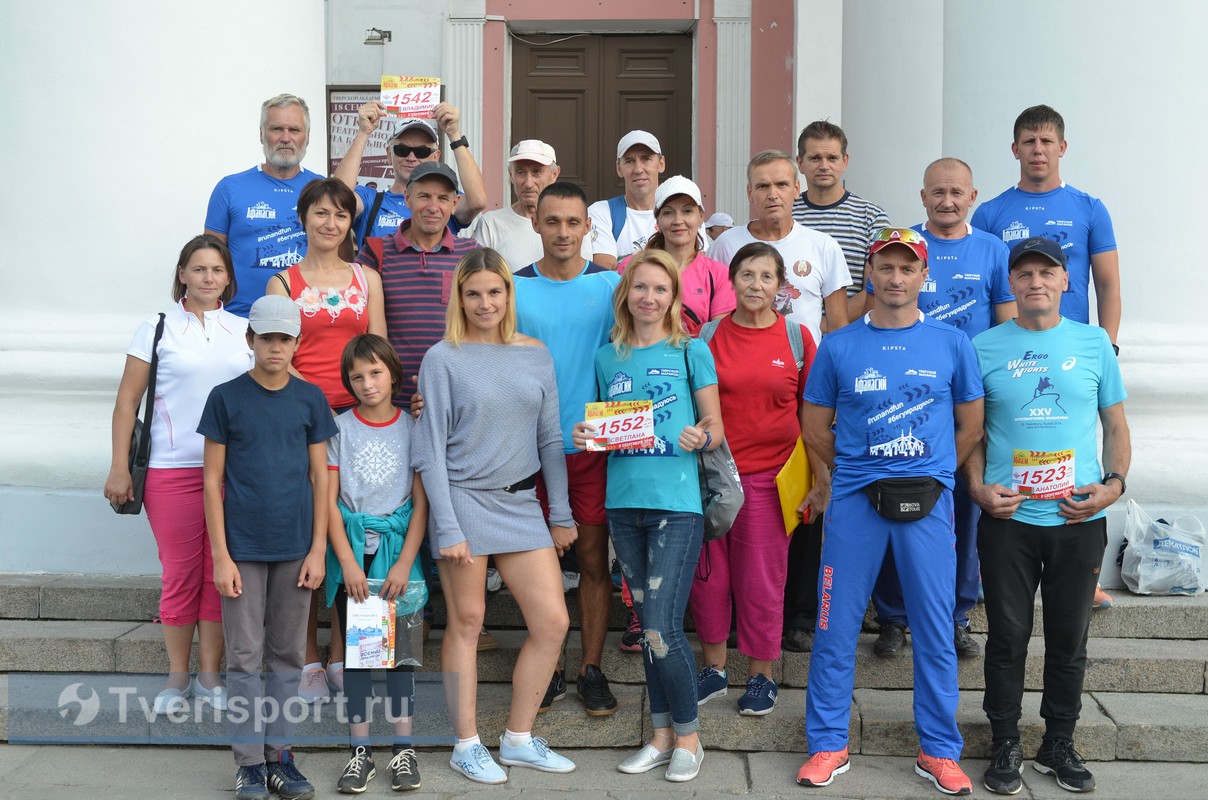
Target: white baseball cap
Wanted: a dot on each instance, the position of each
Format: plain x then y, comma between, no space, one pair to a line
275,313
635,138
720,218
425,126
677,184
533,150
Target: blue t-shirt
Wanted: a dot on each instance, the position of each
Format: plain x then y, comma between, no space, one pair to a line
893,391
392,213
268,506
664,477
573,319
1044,390
258,214
966,278
1079,222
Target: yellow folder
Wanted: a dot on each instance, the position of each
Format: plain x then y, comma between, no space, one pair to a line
793,482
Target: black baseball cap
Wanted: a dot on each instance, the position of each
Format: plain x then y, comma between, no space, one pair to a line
1041,246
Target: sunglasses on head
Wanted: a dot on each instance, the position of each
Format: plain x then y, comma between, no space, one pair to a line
903,235
403,150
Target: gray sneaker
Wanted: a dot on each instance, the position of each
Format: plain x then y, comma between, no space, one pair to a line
684,766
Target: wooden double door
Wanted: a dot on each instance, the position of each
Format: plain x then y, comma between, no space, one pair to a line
582,94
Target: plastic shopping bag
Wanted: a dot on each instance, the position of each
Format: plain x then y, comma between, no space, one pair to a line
385,633
1162,557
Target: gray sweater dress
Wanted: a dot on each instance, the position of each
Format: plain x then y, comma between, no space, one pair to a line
490,420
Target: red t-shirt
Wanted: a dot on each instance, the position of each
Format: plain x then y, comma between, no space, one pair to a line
760,389
330,317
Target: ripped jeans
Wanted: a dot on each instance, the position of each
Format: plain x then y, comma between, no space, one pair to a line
658,551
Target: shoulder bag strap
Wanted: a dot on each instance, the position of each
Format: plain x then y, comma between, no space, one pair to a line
144,445
371,219
619,213
795,342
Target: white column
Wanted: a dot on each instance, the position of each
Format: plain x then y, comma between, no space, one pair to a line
733,20
461,71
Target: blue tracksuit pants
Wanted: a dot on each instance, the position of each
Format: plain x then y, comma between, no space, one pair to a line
855,539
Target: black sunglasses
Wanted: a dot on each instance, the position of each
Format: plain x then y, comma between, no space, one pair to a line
423,151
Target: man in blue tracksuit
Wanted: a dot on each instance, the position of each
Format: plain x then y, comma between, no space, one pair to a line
905,395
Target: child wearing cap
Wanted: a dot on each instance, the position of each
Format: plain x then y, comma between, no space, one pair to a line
265,479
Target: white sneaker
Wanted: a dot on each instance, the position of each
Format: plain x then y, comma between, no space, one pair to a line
477,765
570,581
494,582
335,676
172,700
313,687
217,697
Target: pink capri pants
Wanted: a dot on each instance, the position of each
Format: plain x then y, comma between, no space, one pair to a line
176,510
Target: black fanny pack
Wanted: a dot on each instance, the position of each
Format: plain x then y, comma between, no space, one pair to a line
904,499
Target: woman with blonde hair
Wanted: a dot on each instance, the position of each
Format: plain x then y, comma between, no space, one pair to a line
653,498
489,426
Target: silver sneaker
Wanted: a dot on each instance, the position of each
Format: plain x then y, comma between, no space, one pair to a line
644,760
684,766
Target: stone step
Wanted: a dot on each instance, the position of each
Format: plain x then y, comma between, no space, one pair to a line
1114,665
136,598
1138,727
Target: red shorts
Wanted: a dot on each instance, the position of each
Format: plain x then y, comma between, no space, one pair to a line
586,477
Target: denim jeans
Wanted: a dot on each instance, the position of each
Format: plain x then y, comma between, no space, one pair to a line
658,551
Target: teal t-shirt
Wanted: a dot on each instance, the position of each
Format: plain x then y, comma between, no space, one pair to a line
571,318
1044,390
663,477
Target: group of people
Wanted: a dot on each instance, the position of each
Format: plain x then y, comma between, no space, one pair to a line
414,376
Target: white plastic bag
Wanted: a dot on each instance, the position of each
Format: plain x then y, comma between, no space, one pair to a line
1162,557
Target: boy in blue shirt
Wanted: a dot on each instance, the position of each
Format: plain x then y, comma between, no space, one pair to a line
265,483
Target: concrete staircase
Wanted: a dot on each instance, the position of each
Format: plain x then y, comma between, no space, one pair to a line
1145,686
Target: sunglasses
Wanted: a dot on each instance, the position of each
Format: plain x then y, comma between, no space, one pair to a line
423,151
903,235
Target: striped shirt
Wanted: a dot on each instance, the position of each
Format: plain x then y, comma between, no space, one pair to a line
416,285
852,221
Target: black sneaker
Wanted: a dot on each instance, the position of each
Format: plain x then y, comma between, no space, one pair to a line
631,639
594,691
358,772
1002,776
1057,757
555,692
251,783
797,640
285,779
891,640
966,645
404,771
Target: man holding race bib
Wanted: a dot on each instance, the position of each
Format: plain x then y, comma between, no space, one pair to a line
1039,481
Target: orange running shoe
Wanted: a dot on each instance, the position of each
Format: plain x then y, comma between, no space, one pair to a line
945,773
822,768
1102,598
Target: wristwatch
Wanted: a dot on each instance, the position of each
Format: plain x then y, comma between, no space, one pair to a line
462,142
1117,476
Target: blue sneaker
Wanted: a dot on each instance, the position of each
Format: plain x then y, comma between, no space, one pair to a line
760,697
285,779
477,765
534,753
251,783
710,684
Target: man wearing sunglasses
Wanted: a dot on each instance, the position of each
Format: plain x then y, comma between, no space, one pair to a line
413,143
905,395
